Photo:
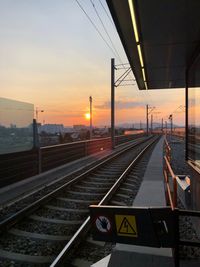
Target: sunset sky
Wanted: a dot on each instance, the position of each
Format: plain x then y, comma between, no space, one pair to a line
52,56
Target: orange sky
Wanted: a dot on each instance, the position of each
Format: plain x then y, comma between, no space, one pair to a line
51,56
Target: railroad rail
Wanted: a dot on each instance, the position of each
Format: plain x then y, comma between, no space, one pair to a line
125,189
37,233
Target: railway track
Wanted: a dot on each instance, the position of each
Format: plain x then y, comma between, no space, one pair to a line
44,232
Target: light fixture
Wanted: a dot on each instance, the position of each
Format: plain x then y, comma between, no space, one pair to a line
133,18
131,6
143,74
140,56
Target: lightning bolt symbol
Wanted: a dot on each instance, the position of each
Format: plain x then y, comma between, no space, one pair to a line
126,226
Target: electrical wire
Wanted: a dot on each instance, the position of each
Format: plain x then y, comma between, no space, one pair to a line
113,46
96,28
106,30
107,14
114,51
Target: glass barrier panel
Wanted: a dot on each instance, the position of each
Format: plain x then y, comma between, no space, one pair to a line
194,112
16,126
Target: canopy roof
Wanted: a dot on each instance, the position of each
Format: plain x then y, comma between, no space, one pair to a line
160,38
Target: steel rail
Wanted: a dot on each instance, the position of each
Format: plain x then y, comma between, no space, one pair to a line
12,220
84,228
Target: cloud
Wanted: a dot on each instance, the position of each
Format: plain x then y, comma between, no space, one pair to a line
120,105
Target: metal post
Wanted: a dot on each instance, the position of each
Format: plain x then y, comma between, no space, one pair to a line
112,103
147,117
36,111
166,127
177,237
186,117
35,134
171,124
162,126
90,99
36,144
151,123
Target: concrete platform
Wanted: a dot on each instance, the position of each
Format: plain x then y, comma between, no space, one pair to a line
102,263
138,256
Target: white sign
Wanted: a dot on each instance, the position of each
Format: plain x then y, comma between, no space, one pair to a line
103,224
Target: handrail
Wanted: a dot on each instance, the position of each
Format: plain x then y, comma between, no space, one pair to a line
77,142
168,173
167,149
90,141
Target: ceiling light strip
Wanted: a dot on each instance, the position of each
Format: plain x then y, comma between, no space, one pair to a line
133,17
143,74
140,55
132,10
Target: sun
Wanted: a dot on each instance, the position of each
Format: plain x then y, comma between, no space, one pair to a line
87,116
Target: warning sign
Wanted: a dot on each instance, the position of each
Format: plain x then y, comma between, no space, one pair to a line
103,224
126,225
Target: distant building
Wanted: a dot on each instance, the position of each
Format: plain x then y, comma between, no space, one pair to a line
51,128
69,130
79,127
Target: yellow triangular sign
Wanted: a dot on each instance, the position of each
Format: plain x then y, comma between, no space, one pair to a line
126,225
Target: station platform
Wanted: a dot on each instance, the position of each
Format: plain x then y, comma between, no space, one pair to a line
151,194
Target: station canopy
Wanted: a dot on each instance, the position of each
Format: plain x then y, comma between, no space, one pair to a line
160,38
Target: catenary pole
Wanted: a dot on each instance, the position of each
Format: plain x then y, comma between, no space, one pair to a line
90,99
112,103
147,118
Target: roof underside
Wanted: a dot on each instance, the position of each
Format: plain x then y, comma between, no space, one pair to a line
169,35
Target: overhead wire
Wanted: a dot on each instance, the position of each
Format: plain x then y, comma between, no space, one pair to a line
108,35
94,25
103,25
107,14
113,49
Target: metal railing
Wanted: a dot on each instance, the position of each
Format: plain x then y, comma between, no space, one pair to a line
170,178
20,165
171,198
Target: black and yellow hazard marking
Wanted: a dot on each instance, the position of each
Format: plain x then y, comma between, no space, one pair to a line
126,225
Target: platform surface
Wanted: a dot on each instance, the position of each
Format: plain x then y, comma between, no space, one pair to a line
151,193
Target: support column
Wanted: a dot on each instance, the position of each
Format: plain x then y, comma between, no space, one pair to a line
171,124
90,98
147,117
166,127
112,103
186,117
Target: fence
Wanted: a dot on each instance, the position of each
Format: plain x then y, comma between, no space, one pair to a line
170,180
20,165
